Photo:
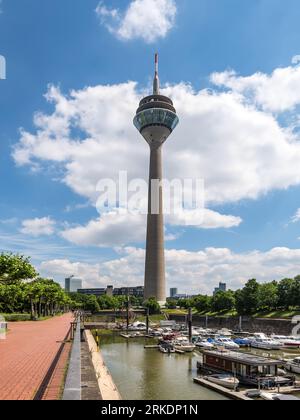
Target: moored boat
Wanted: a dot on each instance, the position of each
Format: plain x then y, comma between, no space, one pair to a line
183,344
225,342
204,344
227,381
250,369
265,343
294,365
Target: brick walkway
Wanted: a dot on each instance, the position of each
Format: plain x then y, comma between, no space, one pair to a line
27,354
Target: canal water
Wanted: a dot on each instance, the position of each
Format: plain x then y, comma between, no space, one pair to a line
147,374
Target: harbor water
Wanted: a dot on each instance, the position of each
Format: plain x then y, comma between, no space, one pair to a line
147,374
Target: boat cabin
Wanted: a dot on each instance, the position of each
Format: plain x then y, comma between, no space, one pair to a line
249,368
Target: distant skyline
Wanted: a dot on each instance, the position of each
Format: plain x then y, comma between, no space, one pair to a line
75,73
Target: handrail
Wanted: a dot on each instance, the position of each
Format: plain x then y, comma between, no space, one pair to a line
72,390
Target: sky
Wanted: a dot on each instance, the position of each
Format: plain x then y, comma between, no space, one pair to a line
75,72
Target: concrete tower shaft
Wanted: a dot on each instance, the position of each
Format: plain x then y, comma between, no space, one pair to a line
155,119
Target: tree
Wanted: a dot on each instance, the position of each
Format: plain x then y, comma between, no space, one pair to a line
203,303
171,303
268,296
247,299
15,268
152,305
92,304
285,293
223,301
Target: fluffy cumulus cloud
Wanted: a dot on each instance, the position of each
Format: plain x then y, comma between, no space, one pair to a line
44,226
197,272
231,138
120,228
277,92
148,20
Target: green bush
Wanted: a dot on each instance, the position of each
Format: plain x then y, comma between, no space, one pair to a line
16,317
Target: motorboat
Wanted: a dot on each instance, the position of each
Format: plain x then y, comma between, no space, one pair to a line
291,343
203,343
265,343
227,381
294,365
166,348
272,396
225,342
242,342
224,332
183,344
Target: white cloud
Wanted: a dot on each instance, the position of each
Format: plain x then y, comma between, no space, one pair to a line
38,227
241,151
120,228
296,217
189,271
296,59
277,92
148,20
62,268
112,229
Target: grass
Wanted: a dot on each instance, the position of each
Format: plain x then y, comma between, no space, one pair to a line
225,314
23,317
277,314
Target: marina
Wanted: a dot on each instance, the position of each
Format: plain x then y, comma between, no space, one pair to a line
207,364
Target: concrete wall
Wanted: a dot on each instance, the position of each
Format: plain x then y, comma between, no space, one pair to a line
267,326
108,389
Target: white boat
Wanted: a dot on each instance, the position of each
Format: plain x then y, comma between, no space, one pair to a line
265,344
224,332
163,349
204,344
227,343
183,344
292,343
294,365
227,381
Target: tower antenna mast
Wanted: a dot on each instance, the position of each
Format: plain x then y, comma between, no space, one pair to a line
156,83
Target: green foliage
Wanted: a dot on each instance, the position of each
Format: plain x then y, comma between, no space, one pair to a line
203,303
153,306
171,304
16,317
223,301
15,268
247,299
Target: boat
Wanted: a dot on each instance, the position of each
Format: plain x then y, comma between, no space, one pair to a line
163,349
294,365
166,348
227,381
203,343
272,396
242,342
224,332
265,343
227,343
251,370
253,393
291,343
183,344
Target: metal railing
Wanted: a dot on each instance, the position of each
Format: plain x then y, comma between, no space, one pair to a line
72,390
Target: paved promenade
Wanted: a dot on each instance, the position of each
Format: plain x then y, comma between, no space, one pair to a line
26,356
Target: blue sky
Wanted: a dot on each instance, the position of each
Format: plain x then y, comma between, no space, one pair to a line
47,208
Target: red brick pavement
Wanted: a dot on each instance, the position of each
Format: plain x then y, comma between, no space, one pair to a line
27,354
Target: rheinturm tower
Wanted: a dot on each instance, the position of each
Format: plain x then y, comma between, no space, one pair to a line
155,119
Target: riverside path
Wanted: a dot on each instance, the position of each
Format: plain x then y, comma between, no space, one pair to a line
33,359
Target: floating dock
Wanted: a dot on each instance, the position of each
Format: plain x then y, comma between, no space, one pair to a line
240,396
